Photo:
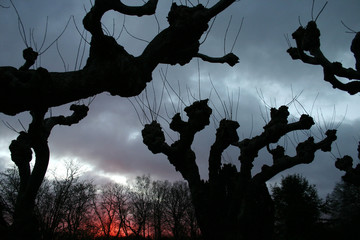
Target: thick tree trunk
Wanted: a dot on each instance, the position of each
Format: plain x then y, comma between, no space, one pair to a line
240,215
25,225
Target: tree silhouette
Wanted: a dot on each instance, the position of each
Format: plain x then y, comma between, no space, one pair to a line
111,210
297,208
35,139
232,203
344,209
110,68
308,51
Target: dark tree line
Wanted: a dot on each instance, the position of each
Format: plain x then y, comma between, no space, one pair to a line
301,214
73,208
297,208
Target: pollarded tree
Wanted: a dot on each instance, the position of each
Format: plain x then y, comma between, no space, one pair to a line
234,203
308,51
109,68
35,139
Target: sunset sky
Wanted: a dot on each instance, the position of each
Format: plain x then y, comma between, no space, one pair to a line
108,142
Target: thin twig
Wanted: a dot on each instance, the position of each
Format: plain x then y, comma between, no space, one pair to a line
67,24
322,9
131,35
351,30
77,29
22,125
226,31
312,10
61,57
20,25
208,31
218,95
8,125
136,111
45,33
237,34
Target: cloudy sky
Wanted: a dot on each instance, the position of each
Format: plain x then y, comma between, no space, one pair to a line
108,143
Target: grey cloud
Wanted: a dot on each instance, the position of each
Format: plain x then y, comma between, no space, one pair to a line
102,138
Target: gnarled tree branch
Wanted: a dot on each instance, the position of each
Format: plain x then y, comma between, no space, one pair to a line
352,174
273,131
232,201
110,68
305,154
308,40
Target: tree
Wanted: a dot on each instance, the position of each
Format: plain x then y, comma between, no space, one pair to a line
178,207
308,51
35,139
232,203
297,208
160,193
141,206
110,68
111,210
344,209
9,188
61,205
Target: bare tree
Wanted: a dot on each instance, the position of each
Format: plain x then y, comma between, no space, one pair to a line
308,51
110,68
78,216
140,206
178,205
62,205
110,209
160,193
232,203
35,139
9,188
121,196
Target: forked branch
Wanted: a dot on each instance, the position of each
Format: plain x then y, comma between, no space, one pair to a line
308,40
110,68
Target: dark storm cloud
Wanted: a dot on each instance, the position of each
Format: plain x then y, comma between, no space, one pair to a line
110,140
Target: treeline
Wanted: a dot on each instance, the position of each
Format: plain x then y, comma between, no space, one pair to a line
301,215
75,208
